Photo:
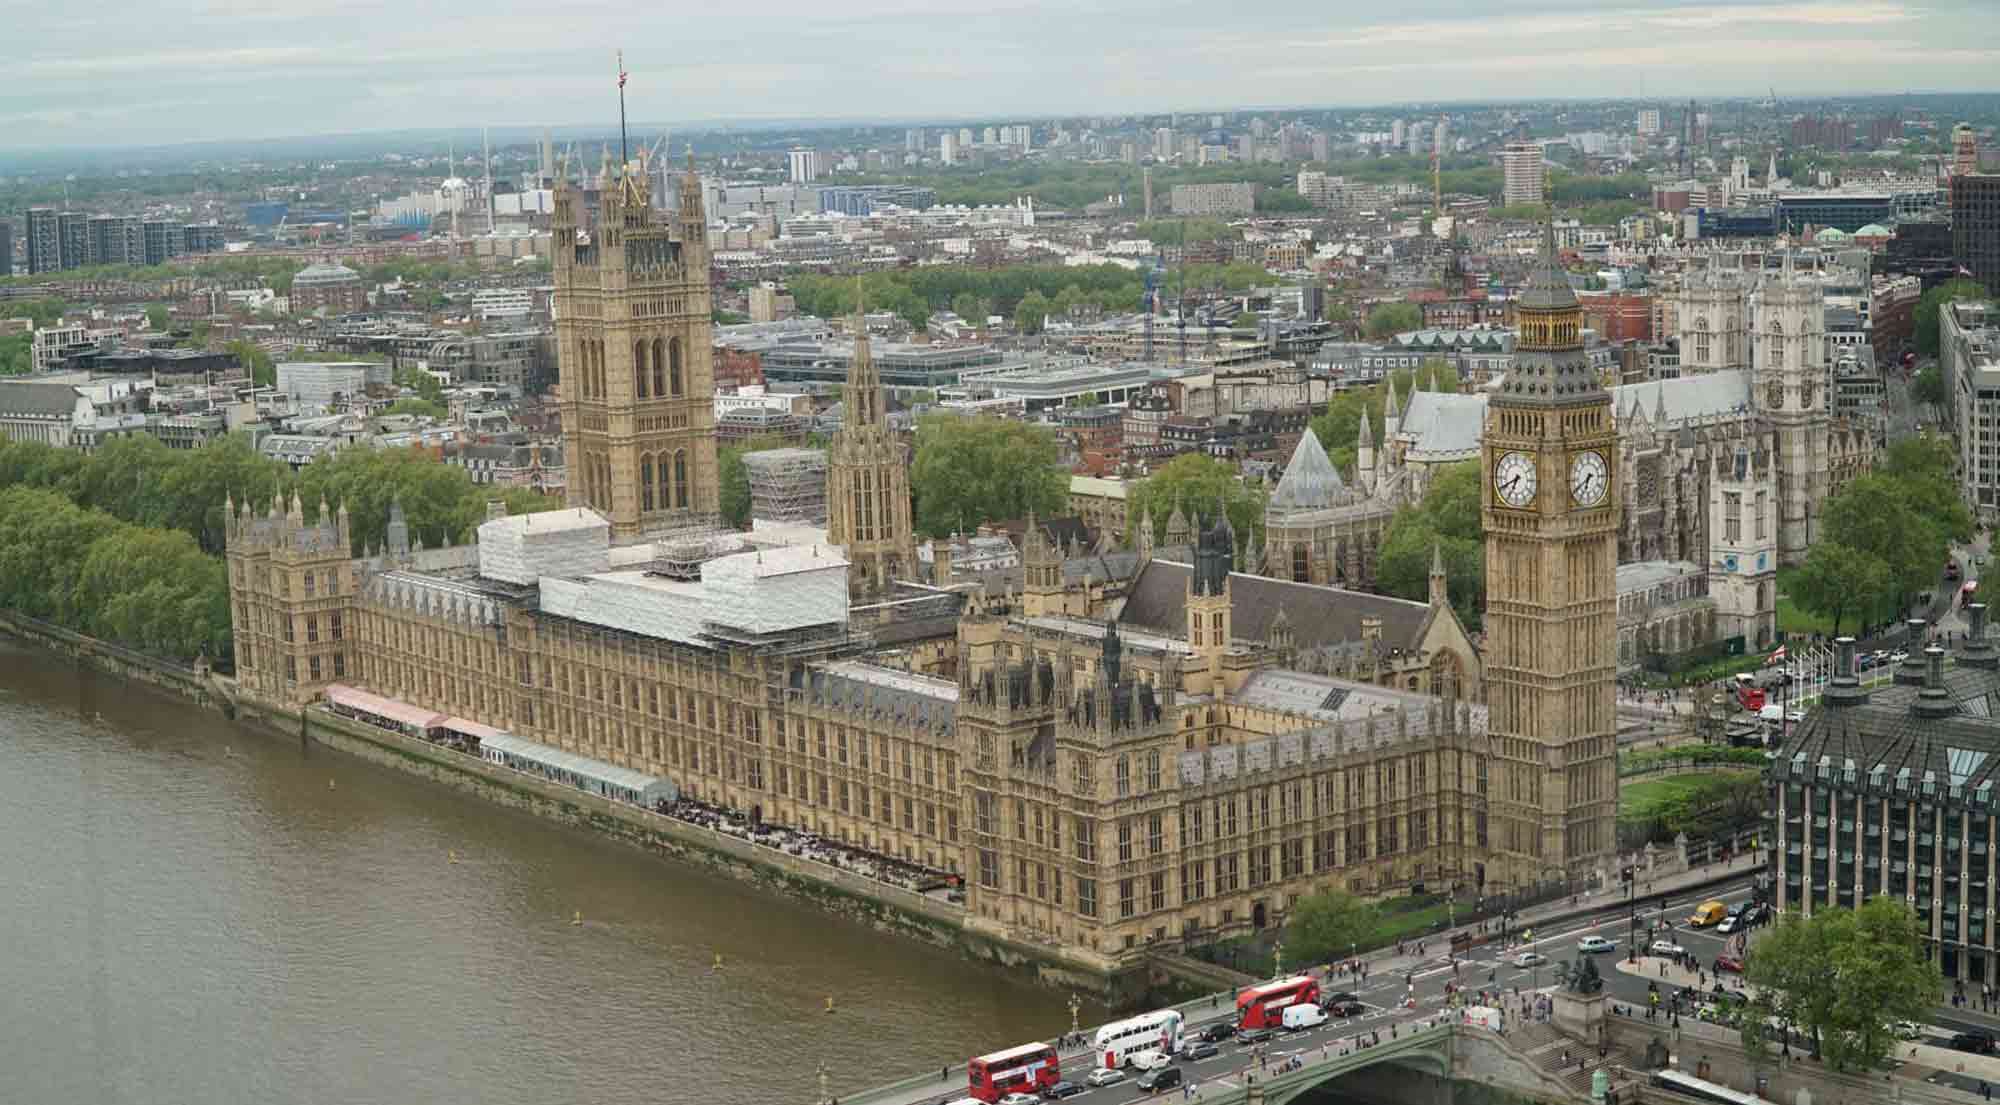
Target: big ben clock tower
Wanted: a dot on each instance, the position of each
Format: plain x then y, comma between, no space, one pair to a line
1550,507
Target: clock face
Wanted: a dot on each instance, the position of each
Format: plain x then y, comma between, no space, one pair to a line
1514,479
1589,478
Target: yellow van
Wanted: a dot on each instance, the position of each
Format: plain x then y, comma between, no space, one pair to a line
1708,913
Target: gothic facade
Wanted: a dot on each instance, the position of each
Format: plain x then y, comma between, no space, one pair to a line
868,480
634,357
1320,529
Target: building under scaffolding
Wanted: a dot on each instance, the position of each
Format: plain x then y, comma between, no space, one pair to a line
787,485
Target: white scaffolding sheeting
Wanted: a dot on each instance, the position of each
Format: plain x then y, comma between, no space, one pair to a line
526,547
787,485
777,589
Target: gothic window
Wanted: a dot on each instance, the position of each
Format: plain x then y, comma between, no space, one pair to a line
674,366
659,367
646,481
1774,392
1761,497
1701,344
1301,565
639,369
680,479
1732,516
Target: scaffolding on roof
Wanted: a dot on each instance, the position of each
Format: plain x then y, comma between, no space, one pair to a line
787,485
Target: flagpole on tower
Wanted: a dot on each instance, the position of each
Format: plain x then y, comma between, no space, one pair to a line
623,155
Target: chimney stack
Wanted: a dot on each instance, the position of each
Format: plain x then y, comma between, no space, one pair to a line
1910,672
1845,688
1934,701
1974,651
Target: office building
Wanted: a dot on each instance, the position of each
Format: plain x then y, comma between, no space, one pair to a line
317,384
1969,362
948,148
1522,174
6,249
1975,225
805,166
1649,120
1887,790
43,247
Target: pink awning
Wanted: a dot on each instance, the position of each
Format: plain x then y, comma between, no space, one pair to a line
471,728
403,712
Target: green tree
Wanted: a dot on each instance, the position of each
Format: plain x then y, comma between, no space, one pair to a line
1845,976
1874,515
16,354
527,500
1198,484
157,317
263,370
1926,319
971,308
440,501
734,477
1927,386
973,470
1448,524
1389,319
1923,467
1326,926
1837,580
423,408
1031,313
1281,201
1339,427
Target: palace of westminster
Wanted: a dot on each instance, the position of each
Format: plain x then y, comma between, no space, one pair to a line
1107,766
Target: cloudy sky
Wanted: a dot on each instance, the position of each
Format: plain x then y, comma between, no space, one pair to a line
138,71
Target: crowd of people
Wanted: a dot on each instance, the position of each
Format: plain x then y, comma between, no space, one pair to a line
873,865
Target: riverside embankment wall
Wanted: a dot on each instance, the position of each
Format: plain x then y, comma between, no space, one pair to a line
887,908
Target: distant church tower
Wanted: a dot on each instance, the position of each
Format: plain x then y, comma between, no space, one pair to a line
1549,461
1743,549
1711,315
1789,387
633,355
868,480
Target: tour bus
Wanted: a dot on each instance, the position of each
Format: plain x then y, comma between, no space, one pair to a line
1264,1006
1029,1069
1118,1041
1701,1089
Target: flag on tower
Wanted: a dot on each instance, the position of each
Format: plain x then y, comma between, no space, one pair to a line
621,78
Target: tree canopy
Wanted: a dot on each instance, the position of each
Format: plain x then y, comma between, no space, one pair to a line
1197,484
1327,926
973,470
1885,534
1926,318
1390,319
1844,977
1447,522
1927,386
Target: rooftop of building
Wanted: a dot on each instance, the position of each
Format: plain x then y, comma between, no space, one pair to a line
1642,575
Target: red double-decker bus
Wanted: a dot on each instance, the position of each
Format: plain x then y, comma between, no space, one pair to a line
1264,1006
1030,1068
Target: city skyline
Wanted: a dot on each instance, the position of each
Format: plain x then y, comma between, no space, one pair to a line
282,73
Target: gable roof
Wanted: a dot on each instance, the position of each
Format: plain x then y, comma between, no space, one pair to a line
1319,616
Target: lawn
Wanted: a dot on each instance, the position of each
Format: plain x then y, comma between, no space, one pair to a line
1651,797
1793,621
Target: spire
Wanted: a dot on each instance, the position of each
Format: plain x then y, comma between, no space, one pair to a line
864,382
1440,594
1659,408
1366,438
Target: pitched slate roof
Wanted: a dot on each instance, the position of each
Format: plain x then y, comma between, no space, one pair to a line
1319,616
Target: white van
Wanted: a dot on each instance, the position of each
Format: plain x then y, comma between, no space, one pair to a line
1150,1059
1303,1016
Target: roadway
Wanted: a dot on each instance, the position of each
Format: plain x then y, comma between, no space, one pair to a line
1392,999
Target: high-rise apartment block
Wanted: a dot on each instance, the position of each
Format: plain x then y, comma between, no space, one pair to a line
72,239
1522,173
43,245
1649,120
1215,199
6,249
805,166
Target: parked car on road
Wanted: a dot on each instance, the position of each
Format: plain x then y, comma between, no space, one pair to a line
1248,1036
1104,1076
1591,945
1530,959
1166,1078
1908,1030
1194,1051
1345,1008
1215,1033
1978,1043
1666,949
1020,1099
1728,963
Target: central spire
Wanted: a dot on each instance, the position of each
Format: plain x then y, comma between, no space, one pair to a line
864,383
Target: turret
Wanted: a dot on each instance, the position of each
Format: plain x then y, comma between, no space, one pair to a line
1440,593
1364,455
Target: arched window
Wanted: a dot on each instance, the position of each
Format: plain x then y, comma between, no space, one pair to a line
639,369
659,367
674,366
646,481
681,479
1301,565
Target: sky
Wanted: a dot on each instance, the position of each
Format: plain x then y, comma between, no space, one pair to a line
125,72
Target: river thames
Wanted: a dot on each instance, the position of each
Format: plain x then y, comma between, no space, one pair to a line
192,914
